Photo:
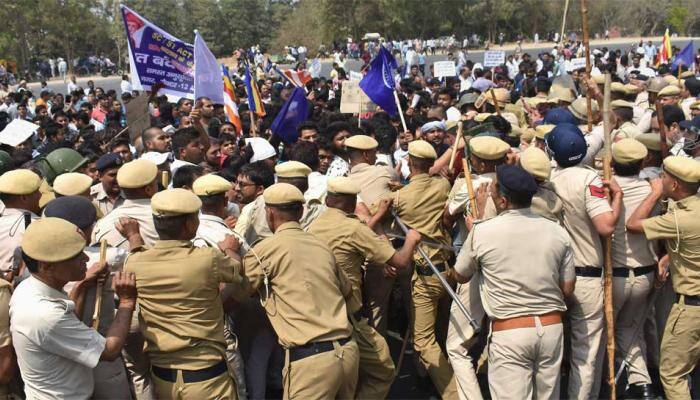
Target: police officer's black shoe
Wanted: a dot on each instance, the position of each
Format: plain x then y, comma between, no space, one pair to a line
643,392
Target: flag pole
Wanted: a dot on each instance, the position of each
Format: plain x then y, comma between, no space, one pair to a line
563,22
398,107
253,132
679,76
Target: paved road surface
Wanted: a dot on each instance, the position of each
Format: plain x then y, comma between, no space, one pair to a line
112,82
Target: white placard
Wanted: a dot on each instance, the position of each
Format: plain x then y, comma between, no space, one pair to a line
355,76
353,100
17,132
576,63
444,69
494,58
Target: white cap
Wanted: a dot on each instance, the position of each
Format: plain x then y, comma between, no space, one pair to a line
262,149
156,157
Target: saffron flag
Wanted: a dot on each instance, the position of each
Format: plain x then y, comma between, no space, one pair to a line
255,103
684,57
207,74
664,55
294,111
230,101
378,83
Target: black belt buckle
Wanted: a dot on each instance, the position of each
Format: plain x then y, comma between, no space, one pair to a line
688,300
589,272
425,270
190,376
313,348
639,271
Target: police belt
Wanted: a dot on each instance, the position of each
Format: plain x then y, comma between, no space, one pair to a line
688,300
527,321
425,270
311,349
595,272
190,376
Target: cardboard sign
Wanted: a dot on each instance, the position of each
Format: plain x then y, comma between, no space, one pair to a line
353,100
576,63
494,58
137,116
444,69
17,132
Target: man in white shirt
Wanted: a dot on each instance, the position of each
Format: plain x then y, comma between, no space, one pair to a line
125,85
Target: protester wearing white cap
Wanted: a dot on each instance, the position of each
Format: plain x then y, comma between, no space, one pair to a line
262,150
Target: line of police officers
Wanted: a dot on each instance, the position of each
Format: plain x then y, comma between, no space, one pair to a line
531,258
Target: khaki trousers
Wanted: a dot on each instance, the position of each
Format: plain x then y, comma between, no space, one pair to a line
376,373
376,289
525,363
587,326
460,337
220,387
111,381
630,298
328,375
427,292
680,349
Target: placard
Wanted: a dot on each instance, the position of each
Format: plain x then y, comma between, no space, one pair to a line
494,58
576,63
353,100
137,116
444,69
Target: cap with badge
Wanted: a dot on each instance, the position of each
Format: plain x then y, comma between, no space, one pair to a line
488,147
515,180
72,184
209,185
421,149
108,161
77,210
628,151
19,182
137,174
579,109
668,91
683,168
342,185
567,143
175,202
361,142
52,240
536,162
292,169
282,194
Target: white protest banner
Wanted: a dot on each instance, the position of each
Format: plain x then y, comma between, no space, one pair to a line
17,132
494,58
444,69
576,63
353,100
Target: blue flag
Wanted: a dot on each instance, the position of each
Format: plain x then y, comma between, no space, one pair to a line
293,112
684,57
378,84
207,73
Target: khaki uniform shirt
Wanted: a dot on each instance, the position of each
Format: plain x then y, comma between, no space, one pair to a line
631,250
373,181
680,226
251,224
5,336
458,201
352,242
12,226
420,204
547,203
180,306
140,210
581,191
305,293
626,130
518,277
101,200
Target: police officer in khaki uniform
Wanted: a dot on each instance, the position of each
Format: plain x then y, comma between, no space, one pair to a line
545,202
486,154
680,227
527,339
103,191
587,217
634,263
651,166
74,184
19,192
304,294
623,113
8,363
180,303
420,204
352,243
297,174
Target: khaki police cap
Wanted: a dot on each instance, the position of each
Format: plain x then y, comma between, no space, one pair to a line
292,169
627,151
656,84
534,101
621,104
687,74
502,95
282,193
488,147
52,240
361,142
137,174
542,130
528,134
343,185
209,185
652,141
536,162
560,93
672,80
695,106
47,193
481,117
631,89
421,149
19,182
72,184
599,79
669,90
580,109
617,87
174,202
683,168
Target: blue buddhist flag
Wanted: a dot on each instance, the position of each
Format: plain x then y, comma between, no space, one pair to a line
293,112
378,83
207,72
684,57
